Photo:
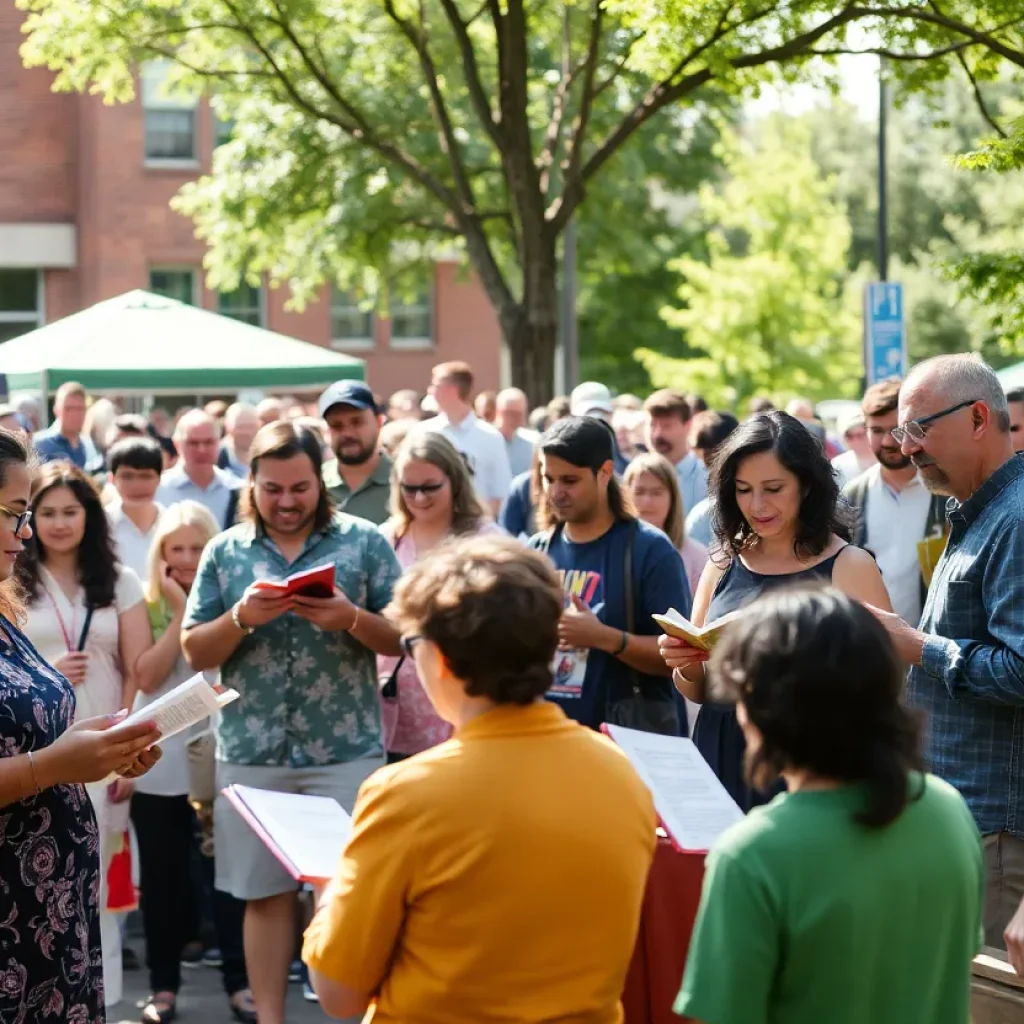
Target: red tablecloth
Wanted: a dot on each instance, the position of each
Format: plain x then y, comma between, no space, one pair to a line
666,921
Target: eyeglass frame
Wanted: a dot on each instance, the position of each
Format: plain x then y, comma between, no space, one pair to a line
21,519
408,642
900,434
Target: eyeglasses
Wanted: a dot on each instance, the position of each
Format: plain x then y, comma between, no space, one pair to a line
915,429
21,519
411,490
408,642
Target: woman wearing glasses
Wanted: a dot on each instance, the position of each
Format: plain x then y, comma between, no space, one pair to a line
777,520
500,875
87,617
49,859
432,499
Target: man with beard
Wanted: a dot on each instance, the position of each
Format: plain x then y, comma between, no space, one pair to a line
895,511
309,719
668,432
359,479
967,659
617,572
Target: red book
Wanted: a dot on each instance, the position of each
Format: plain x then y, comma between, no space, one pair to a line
318,582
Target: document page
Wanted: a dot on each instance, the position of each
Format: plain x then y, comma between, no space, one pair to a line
693,805
186,705
306,833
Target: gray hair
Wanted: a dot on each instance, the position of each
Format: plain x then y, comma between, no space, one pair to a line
964,378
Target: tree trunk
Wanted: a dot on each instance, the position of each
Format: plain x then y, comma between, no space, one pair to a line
531,342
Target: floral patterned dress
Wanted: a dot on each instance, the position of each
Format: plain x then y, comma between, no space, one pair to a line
51,965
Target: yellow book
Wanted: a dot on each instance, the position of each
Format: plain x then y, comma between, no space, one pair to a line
702,637
929,551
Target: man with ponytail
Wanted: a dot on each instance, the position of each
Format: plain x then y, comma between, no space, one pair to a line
616,573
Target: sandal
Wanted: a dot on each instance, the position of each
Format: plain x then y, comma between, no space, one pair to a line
160,1008
243,1007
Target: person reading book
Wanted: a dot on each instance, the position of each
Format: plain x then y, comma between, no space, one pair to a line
504,868
777,521
855,897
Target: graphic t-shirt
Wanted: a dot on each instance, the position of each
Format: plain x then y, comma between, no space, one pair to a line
807,917
585,680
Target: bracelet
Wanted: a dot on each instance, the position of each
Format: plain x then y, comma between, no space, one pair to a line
248,630
622,646
355,621
35,778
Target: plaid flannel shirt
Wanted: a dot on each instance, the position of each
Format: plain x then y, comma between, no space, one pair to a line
970,681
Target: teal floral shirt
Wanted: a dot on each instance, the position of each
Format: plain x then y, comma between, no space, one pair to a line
308,697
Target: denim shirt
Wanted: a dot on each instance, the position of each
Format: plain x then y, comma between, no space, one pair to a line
971,678
308,697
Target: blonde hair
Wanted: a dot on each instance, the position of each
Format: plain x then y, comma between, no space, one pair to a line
179,515
662,470
428,446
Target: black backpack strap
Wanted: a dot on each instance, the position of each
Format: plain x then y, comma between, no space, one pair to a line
232,511
627,572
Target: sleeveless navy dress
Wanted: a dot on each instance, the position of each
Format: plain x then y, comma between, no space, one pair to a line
716,732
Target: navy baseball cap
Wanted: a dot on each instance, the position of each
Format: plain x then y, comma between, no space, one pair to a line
347,392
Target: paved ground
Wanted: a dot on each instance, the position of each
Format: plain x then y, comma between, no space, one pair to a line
201,1000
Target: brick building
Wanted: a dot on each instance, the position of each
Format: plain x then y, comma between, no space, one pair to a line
84,216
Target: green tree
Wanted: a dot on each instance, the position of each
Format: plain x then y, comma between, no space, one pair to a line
366,129
768,309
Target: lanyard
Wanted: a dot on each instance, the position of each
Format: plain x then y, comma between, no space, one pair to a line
68,641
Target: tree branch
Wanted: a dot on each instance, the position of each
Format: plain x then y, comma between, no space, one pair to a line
841,51
984,37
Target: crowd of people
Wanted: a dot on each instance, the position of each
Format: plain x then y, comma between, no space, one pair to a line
497,571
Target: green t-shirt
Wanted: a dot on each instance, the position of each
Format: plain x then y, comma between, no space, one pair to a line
807,917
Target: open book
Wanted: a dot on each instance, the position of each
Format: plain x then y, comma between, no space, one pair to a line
305,833
704,637
694,807
316,582
183,707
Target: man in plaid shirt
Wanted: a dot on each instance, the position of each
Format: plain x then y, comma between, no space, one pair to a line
967,658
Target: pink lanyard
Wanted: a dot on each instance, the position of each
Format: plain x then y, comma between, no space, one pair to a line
69,643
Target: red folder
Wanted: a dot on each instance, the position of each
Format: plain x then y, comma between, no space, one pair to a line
318,582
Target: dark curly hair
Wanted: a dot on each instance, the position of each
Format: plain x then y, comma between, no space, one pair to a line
821,681
492,608
97,562
823,511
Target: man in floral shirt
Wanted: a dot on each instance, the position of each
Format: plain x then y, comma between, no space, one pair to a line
308,720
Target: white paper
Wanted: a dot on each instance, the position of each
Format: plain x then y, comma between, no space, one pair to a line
311,831
693,805
186,705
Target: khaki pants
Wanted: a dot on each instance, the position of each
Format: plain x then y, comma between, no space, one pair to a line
1004,883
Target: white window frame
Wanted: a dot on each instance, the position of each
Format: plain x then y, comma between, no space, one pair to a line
170,268
22,316
261,305
360,343
152,77
417,343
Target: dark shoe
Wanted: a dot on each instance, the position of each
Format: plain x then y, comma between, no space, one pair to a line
295,971
192,954
159,1009
308,994
130,959
213,958
243,1009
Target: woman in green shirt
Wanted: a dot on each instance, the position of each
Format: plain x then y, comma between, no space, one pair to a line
855,897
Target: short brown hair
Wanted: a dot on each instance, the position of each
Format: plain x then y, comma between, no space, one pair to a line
668,402
284,439
459,373
881,398
492,608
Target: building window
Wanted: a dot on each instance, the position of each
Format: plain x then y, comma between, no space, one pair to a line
174,283
245,304
222,130
351,321
170,119
412,319
21,305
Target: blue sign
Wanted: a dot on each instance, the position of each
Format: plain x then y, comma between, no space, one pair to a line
885,332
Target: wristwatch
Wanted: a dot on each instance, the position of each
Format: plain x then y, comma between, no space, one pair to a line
238,622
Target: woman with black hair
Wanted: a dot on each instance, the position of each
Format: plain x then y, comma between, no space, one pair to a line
855,897
87,617
777,520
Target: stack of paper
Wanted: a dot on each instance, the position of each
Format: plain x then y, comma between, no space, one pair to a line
703,637
305,833
694,807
